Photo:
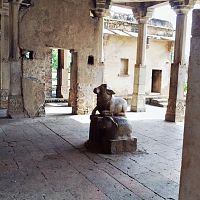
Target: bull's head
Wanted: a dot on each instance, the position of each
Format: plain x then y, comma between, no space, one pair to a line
102,89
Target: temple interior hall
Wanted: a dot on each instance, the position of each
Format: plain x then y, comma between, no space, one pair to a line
99,99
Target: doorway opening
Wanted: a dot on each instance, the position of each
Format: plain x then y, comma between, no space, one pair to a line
59,83
156,81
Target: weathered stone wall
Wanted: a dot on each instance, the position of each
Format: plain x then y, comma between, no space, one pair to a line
117,47
34,78
62,24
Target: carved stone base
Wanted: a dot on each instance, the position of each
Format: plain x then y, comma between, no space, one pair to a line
3,99
111,135
175,111
112,146
138,103
15,107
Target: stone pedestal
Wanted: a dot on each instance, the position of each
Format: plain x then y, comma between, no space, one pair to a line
111,135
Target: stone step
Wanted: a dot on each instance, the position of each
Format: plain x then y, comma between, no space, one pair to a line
55,100
159,102
3,113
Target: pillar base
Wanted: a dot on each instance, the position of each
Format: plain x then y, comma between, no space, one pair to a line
3,99
138,103
15,107
136,109
110,135
175,112
170,117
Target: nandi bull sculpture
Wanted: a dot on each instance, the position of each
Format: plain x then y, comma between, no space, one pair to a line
110,132
107,104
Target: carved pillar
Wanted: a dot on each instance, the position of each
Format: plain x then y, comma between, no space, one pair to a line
73,82
100,40
65,75
15,100
175,108
100,11
5,67
190,176
142,15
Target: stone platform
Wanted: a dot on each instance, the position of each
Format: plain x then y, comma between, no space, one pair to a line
110,135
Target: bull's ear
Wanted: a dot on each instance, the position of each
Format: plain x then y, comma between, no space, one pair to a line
110,92
95,90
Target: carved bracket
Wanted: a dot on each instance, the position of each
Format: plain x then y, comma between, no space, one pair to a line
142,12
100,7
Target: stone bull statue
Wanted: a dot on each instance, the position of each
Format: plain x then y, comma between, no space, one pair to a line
107,104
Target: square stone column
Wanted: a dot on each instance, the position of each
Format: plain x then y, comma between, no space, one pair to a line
15,100
142,15
4,66
176,108
190,172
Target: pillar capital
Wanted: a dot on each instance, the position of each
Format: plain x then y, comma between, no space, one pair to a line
181,6
142,12
15,1
101,8
5,9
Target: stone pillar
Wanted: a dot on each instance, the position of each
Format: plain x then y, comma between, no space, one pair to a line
59,73
190,176
65,75
101,10
15,100
5,67
142,15
73,82
100,40
175,108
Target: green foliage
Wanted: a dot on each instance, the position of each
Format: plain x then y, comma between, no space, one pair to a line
54,59
185,88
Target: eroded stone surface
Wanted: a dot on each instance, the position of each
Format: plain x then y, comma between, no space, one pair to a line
33,106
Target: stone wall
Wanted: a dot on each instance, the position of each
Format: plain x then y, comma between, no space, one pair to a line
67,25
34,78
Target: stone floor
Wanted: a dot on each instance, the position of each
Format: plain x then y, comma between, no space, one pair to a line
45,158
